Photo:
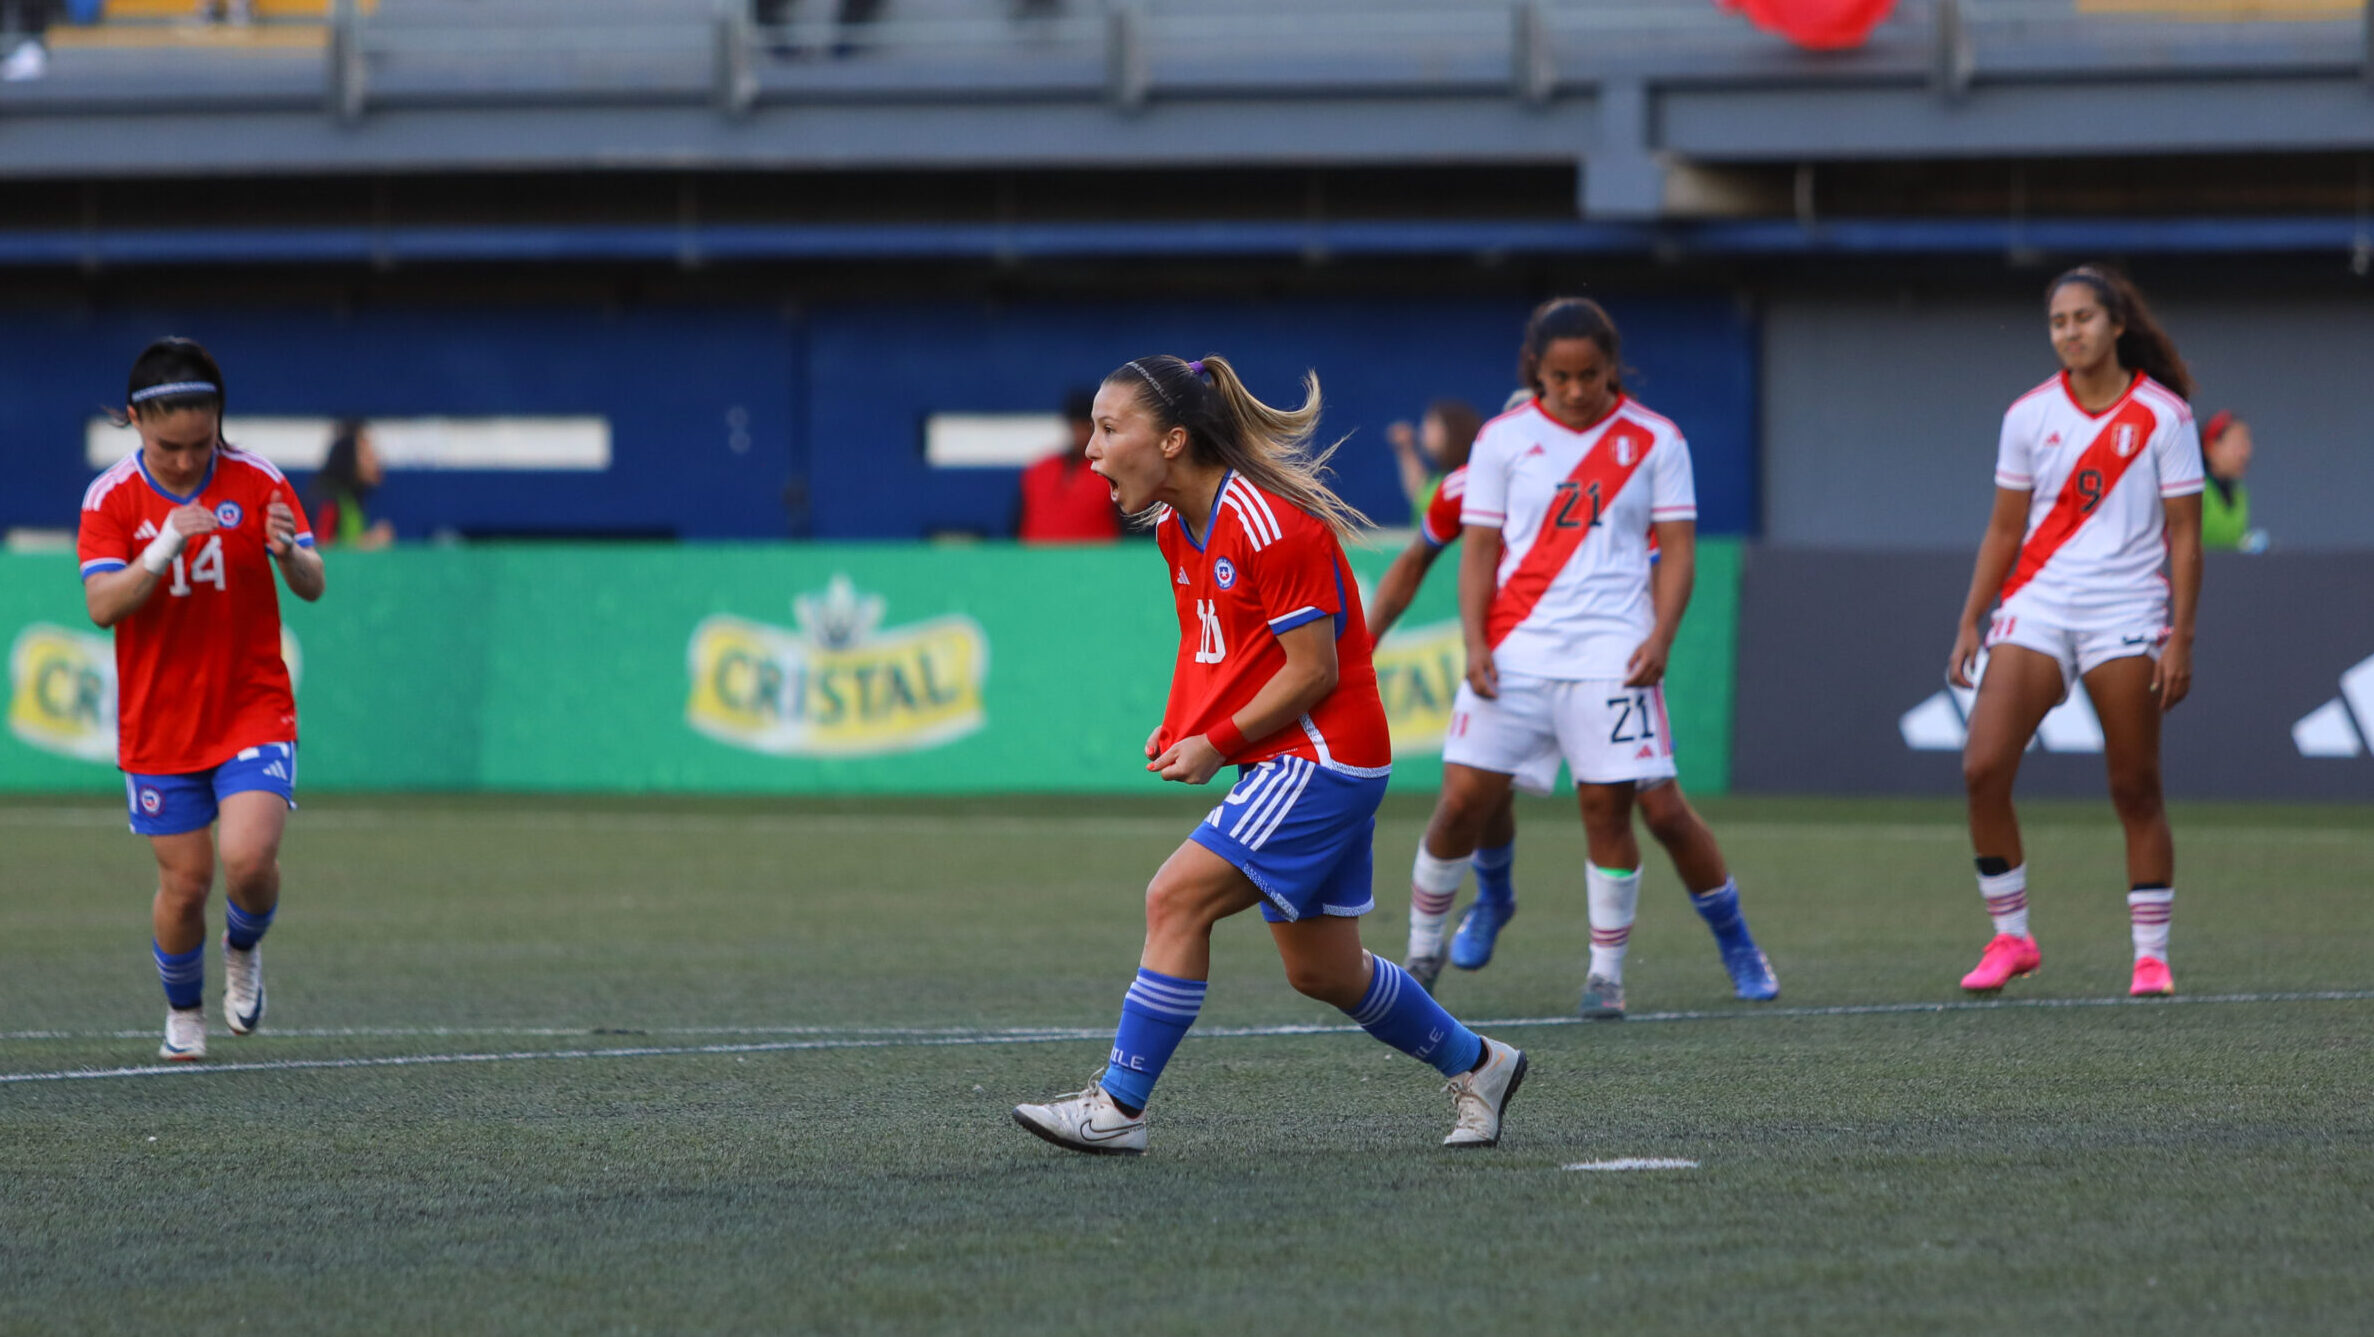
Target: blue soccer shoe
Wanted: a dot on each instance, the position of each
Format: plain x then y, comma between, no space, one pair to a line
1751,974
1479,931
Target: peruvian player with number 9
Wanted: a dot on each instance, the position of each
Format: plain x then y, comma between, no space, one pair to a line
2097,485
178,543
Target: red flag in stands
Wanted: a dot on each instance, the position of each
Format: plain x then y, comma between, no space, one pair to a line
1817,25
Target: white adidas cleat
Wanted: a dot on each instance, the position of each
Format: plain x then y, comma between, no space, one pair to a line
1087,1121
185,1034
243,987
1483,1095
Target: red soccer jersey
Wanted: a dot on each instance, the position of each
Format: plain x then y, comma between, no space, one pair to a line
198,669
1440,525
1265,567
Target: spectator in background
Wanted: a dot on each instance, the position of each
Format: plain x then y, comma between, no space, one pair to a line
346,481
1063,500
24,29
1438,445
775,16
237,13
2225,507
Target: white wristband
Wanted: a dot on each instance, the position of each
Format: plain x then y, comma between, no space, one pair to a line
164,548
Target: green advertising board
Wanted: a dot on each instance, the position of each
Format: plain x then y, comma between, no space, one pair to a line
731,669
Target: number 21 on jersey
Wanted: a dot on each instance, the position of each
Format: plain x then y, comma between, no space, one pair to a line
205,569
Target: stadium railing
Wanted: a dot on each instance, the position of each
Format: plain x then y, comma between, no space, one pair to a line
677,52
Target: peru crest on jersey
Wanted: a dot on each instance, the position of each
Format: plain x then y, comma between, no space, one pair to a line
2096,524
1575,510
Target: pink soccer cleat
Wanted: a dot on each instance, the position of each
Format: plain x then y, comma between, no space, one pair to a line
2152,979
2006,959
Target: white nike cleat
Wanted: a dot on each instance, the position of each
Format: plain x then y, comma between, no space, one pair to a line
1086,1121
1483,1095
243,986
185,1034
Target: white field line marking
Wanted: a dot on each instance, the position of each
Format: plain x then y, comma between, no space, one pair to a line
974,824
1633,1163
857,1038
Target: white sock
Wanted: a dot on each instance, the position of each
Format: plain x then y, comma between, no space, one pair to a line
1434,884
2148,913
1615,898
2007,900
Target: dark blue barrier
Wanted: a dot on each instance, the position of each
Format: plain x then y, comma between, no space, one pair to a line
746,422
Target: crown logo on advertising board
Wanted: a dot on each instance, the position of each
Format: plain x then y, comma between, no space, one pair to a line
838,684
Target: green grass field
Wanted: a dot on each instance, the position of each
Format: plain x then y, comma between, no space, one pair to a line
821,1140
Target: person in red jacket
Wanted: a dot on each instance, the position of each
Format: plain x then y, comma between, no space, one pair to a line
1063,501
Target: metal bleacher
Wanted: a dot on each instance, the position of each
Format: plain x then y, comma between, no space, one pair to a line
1628,87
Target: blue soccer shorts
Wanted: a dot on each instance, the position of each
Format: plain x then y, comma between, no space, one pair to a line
168,805
1302,833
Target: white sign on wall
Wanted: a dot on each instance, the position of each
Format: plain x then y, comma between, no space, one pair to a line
577,444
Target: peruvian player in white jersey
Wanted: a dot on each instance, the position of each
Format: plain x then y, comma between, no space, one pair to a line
2097,488
1568,628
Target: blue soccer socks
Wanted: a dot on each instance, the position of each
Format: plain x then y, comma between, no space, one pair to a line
1155,1016
1751,973
241,930
183,974
1496,874
1720,909
1400,1013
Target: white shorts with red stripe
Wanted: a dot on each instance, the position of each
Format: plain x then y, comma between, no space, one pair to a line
1605,732
2078,644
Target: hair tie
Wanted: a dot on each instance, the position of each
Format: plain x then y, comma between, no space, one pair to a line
1195,368
176,388
1167,401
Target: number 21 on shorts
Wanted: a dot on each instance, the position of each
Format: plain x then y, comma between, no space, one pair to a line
1636,720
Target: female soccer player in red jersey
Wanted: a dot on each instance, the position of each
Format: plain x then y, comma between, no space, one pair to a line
178,543
1272,675
2097,487
1434,881
1568,624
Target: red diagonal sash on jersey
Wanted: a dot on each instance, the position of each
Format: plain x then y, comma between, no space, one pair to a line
2106,460
1588,491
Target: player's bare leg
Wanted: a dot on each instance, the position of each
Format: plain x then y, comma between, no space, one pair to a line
1467,809
185,871
1674,824
2021,686
1500,827
185,874
1192,891
1698,861
250,831
1612,884
2130,713
1324,959
252,824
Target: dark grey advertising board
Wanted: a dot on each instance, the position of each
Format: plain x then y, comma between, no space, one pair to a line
1842,681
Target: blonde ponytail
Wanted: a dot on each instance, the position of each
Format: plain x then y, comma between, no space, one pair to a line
1271,447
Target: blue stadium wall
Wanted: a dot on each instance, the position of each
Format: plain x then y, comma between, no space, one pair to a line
742,422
